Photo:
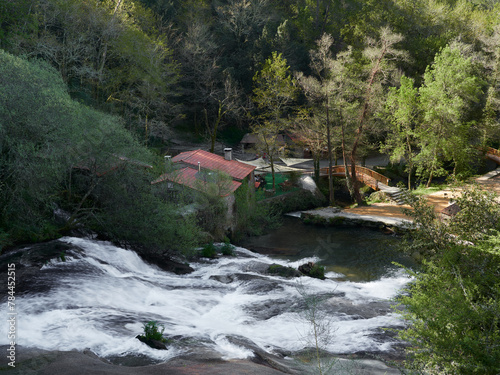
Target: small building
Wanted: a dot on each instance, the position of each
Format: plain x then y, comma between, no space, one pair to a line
249,142
289,143
201,171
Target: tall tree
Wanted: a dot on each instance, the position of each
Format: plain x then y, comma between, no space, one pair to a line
274,90
380,54
321,90
451,88
403,113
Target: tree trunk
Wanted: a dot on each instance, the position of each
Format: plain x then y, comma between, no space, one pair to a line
430,179
271,161
331,197
213,132
316,158
410,162
346,168
359,131
410,171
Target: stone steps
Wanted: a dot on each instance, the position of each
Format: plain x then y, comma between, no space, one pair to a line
393,193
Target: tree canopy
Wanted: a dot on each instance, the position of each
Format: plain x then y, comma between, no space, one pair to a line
57,154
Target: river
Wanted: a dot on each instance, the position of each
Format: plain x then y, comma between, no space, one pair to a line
100,296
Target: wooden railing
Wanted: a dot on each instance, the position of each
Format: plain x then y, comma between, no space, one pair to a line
492,151
366,175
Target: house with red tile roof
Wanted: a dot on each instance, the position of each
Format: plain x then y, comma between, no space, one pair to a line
206,172
192,169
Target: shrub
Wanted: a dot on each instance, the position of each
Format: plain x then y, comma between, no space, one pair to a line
317,272
209,251
452,306
154,331
227,248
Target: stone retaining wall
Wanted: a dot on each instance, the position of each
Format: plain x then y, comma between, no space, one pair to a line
337,217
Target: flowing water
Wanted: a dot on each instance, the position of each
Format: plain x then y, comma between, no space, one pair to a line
101,295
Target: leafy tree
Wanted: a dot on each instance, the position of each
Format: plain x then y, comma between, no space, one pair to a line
321,91
123,208
490,122
403,108
379,54
109,53
56,153
45,136
452,306
274,91
451,88
38,145
214,202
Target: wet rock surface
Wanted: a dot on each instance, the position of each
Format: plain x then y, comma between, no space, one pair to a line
200,362
28,261
155,344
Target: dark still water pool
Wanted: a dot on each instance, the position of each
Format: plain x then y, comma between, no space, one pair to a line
355,254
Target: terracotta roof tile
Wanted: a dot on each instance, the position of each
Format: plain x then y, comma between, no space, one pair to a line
211,161
188,176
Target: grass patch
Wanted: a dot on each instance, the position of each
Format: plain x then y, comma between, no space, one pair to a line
422,190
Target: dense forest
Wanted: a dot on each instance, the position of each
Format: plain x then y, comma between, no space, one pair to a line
92,92
417,80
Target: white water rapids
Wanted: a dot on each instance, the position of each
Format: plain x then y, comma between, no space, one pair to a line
101,299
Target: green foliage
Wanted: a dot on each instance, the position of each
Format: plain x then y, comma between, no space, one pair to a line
129,211
274,91
452,306
446,135
274,87
227,249
453,311
317,271
57,153
403,107
40,140
109,53
278,269
154,331
209,251
252,219
213,187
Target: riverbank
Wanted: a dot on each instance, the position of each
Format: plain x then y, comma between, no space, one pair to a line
386,219
390,215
